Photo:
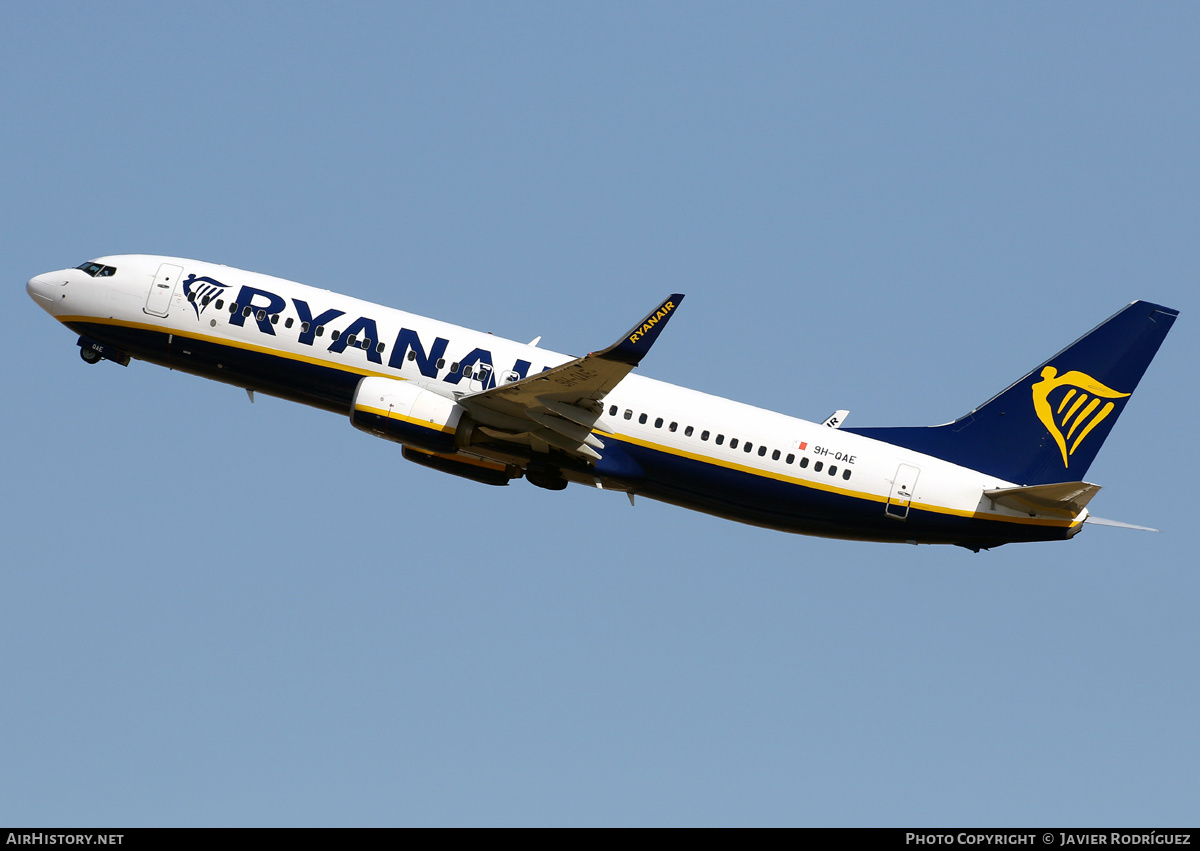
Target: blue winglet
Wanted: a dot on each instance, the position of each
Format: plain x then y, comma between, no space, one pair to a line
632,347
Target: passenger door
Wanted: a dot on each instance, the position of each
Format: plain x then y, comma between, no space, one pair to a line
903,485
158,302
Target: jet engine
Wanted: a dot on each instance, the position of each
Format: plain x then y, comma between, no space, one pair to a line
405,413
431,427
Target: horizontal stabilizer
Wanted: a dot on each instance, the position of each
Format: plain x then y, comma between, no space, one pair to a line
1064,499
1101,521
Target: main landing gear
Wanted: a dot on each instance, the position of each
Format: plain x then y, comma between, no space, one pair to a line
89,355
545,476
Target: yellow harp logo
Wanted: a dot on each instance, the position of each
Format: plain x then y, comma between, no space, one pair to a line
1076,410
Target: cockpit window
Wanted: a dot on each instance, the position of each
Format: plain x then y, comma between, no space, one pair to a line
98,270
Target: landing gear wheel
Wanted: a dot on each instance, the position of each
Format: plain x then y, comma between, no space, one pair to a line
89,355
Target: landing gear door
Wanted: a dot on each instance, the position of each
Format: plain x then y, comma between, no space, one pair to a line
158,302
903,486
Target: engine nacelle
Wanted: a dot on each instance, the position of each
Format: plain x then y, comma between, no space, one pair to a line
475,469
403,412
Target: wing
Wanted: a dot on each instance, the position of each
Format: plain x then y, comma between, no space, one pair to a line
558,407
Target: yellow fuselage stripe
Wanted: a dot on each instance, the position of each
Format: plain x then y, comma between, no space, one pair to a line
822,486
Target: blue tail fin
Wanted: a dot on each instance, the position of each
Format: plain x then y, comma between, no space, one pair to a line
1049,426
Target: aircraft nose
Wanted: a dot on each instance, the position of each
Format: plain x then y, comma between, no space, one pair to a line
46,289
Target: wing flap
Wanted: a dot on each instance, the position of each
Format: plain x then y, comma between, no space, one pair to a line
578,433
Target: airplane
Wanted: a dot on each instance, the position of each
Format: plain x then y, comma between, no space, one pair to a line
494,410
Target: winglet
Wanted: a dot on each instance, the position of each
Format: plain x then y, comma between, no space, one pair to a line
632,347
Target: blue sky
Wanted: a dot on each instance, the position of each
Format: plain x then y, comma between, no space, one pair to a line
225,614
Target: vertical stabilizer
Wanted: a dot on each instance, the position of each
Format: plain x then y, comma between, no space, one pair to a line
1048,426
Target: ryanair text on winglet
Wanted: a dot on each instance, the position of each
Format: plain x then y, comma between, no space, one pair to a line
651,321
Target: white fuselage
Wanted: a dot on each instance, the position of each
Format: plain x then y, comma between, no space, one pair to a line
720,456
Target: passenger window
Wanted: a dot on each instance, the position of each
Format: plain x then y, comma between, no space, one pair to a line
204,301
720,439
366,343
246,310
817,466
628,413
333,335
220,303
260,316
733,442
274,318
804,462
642,419
775,455
704,435
467,372
687,432
287,323
612,410
846,474
349,339
192,297
762,450
232,307
381,347
413,356
440,364
320,330
658,423
790,459
748,447
833,469
674,426
304,326
454,367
